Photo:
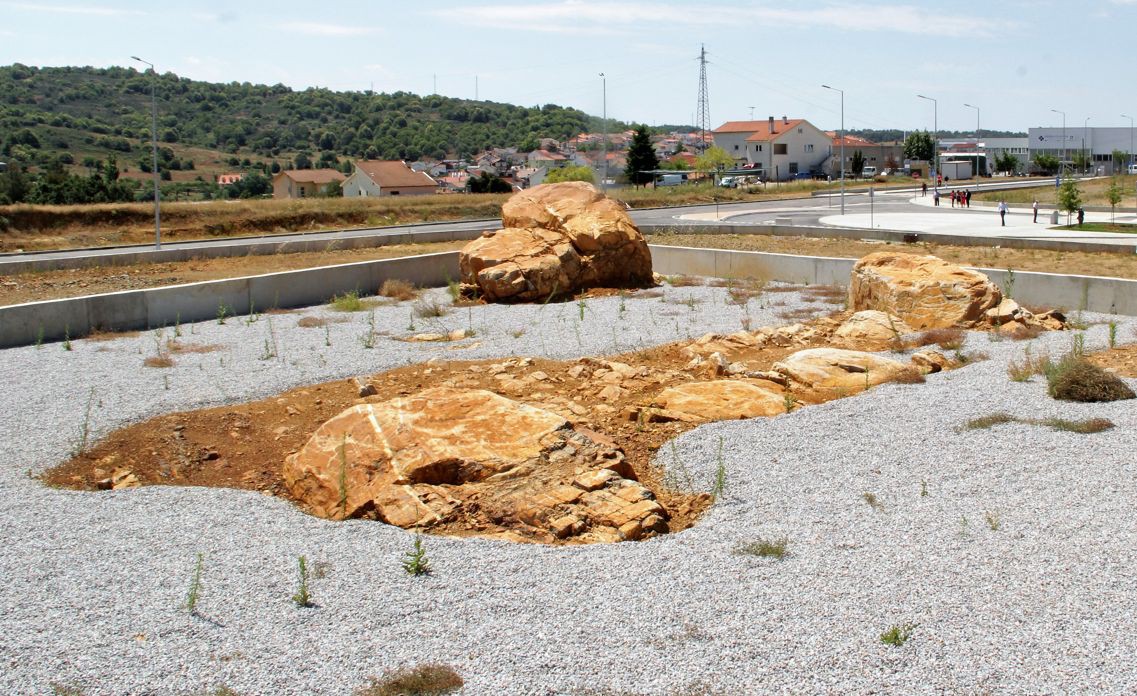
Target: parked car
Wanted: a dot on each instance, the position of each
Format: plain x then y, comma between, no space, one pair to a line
868,172
1133,169
729,182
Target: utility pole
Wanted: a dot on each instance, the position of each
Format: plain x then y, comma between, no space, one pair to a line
976,137
704,100
935,133
1130,138
154,153
1085,133
1062,164
842,141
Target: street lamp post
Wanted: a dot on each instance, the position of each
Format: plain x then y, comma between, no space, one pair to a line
154,154
604,144
936,132
1062,165
842,142
1085,132
1130,138
971,106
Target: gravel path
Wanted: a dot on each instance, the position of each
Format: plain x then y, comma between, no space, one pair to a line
93,583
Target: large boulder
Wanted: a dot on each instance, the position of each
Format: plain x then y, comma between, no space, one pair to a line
723,399
873,330
557,239
836,369
474,460
924,291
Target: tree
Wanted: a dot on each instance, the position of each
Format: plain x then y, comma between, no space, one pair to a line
1007,162
1080,160
1047,164
641,158
570,173
714,159
1120,158
488,183
1113,194
1069,197
858,163
332,189
919,146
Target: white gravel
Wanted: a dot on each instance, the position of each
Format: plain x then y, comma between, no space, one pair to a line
91,584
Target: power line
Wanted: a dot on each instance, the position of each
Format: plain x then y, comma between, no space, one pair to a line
704,100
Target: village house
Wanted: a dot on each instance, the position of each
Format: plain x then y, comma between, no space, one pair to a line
777,149
387,178
304,183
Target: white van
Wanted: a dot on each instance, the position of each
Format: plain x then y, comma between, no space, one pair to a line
1133,168
868,172
671,179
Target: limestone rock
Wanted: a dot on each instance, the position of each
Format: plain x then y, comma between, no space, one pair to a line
446,456
925,291
930,361
557,238
834,368
872,329
724,399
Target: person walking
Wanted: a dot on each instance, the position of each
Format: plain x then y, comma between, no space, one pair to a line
936,196
924,188
967,197
1081,216
1003,212
951,195
1035,207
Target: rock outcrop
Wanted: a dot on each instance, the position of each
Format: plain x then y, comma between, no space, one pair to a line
481,462
924,291
873,330
835,369
723,399
556,239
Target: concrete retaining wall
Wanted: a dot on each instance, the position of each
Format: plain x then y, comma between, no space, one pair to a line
896,236
1068,292
144,309
252,246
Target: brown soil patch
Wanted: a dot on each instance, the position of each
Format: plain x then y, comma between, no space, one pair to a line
1122,360
245,445
53,285
1069,262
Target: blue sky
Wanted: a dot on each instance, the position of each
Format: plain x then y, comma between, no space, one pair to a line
1014,60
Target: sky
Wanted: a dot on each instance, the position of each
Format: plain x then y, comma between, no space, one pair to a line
1014,60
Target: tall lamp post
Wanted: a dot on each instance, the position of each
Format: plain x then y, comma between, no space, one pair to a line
972,106
1085,132
1062,166
935,133
154,154
604,121
842,141
1130,138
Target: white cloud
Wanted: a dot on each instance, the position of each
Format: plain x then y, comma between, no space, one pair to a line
591,16
323,29
71,9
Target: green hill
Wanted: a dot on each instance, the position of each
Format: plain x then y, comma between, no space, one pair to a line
75,115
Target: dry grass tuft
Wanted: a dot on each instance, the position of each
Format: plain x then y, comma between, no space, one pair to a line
179,347
1074,379
948,339
429,310
800,313
424,680
158,361
833,294
785,288
398,290
99,335
909,375
1083,427
1024,333
310,322
683,281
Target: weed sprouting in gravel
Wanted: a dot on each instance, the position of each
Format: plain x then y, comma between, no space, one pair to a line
873,501
423,680
327,336
415,561
1030,365
1084,427
993,521
948,339
1112,335
85,428
66,337
765,548
347,302
39,337
897,634
924,488
581,305
429,309
678,476
720,474
399,290
302,598
368,338
60,689
222,312
1075,379
194,592
789,401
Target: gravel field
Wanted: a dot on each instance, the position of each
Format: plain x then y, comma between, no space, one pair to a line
94,583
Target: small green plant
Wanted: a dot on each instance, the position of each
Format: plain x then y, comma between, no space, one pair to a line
415,562
423,680
327,336
368,339
789,401
178,325
720,474
454,290
302,597
679,474
1112,335
765,548
195,585
1009,289
923,488
66,337
1078,345
347,302
428,309
897,634
253,316
992,519
1030,365
343,477
39,337
581,305
85,427
1075,379
222,312
411,325
872,501
517,333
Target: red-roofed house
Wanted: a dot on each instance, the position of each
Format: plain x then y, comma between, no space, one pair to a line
876,154
303,183
549,160
228,179
387,178
781,148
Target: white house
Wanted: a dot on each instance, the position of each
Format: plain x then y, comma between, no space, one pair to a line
781,149
387,178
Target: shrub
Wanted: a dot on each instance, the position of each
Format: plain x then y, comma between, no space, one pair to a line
948,339
1074,379
398,289
425,680
347,302
428,310
898,634
765,548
